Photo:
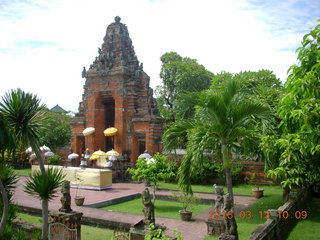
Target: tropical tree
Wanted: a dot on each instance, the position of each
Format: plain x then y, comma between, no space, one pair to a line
24,114
45,188
179,75
293,154
60,129
222,118
153,170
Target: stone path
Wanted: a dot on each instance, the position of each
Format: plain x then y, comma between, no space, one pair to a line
192,230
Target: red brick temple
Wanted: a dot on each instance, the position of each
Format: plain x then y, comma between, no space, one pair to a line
117,94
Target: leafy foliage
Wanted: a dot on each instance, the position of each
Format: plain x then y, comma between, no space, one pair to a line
223,116
54,160
293,155
154,171
57,129
44,187
159,234
179,75
185,199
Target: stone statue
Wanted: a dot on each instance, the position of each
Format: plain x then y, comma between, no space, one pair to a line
230,224
66,198
148,208
218,206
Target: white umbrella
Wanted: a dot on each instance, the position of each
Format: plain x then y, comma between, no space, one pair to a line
150,160
145,155
49,154
73,156
44,148
112,153
29,150
33,156
88,131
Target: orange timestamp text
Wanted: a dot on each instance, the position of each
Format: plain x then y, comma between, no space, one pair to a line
258,215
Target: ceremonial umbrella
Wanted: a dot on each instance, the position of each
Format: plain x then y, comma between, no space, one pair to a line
29,150
88,131
44,148
49,154
73,156
99,153
112,153
110,131
145,155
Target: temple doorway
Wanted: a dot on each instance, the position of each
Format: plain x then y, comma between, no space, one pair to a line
109,117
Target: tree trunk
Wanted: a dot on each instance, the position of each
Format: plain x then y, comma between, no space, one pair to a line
5,207
285,194
45,213
233,229
229,182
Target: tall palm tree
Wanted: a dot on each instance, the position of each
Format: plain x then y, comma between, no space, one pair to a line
24,113
7,143
44,187
222,118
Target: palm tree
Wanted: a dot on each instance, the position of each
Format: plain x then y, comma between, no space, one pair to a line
6,144
45,188
222,118
24,114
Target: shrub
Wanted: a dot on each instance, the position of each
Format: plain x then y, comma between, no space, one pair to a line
54,160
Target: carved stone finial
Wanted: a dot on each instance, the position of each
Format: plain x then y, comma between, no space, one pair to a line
117,19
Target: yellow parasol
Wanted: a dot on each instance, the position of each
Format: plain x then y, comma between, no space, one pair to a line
94,157
110,131
99,153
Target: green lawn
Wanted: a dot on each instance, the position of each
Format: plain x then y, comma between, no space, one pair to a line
87,232
271,200
24,172
308,228
237,189
169,209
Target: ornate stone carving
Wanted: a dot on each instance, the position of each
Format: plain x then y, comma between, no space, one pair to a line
218,206
148,208
66,198
230,224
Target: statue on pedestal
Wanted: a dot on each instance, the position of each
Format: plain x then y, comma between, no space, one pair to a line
230,224
66,198
218,206
148,208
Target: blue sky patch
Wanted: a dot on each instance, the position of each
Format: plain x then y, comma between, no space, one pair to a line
30,43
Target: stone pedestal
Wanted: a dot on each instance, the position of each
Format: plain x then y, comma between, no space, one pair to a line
139,230
215,226
66,226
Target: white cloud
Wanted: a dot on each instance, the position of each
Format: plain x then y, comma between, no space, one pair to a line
222,35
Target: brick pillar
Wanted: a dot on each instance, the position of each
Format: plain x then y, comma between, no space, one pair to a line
61,222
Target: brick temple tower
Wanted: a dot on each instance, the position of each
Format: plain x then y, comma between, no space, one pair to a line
117,94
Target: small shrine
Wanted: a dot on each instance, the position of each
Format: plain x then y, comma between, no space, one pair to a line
117,95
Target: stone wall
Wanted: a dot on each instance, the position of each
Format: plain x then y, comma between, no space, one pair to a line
277,228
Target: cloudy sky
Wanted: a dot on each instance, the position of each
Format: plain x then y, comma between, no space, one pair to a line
44,44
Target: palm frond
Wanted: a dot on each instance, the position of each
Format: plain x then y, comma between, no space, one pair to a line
24,114
172,135
44,186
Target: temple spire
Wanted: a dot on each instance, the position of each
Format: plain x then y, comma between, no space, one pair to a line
117,50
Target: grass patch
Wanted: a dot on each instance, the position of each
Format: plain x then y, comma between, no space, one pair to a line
271,200
87,232
168,209
308,228
24,172
237,189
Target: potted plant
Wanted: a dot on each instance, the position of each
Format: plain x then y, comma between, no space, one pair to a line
79,200
187,200
257,192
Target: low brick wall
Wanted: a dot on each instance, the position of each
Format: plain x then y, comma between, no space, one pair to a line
278,228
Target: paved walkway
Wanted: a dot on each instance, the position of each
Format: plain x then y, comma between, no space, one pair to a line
192,230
